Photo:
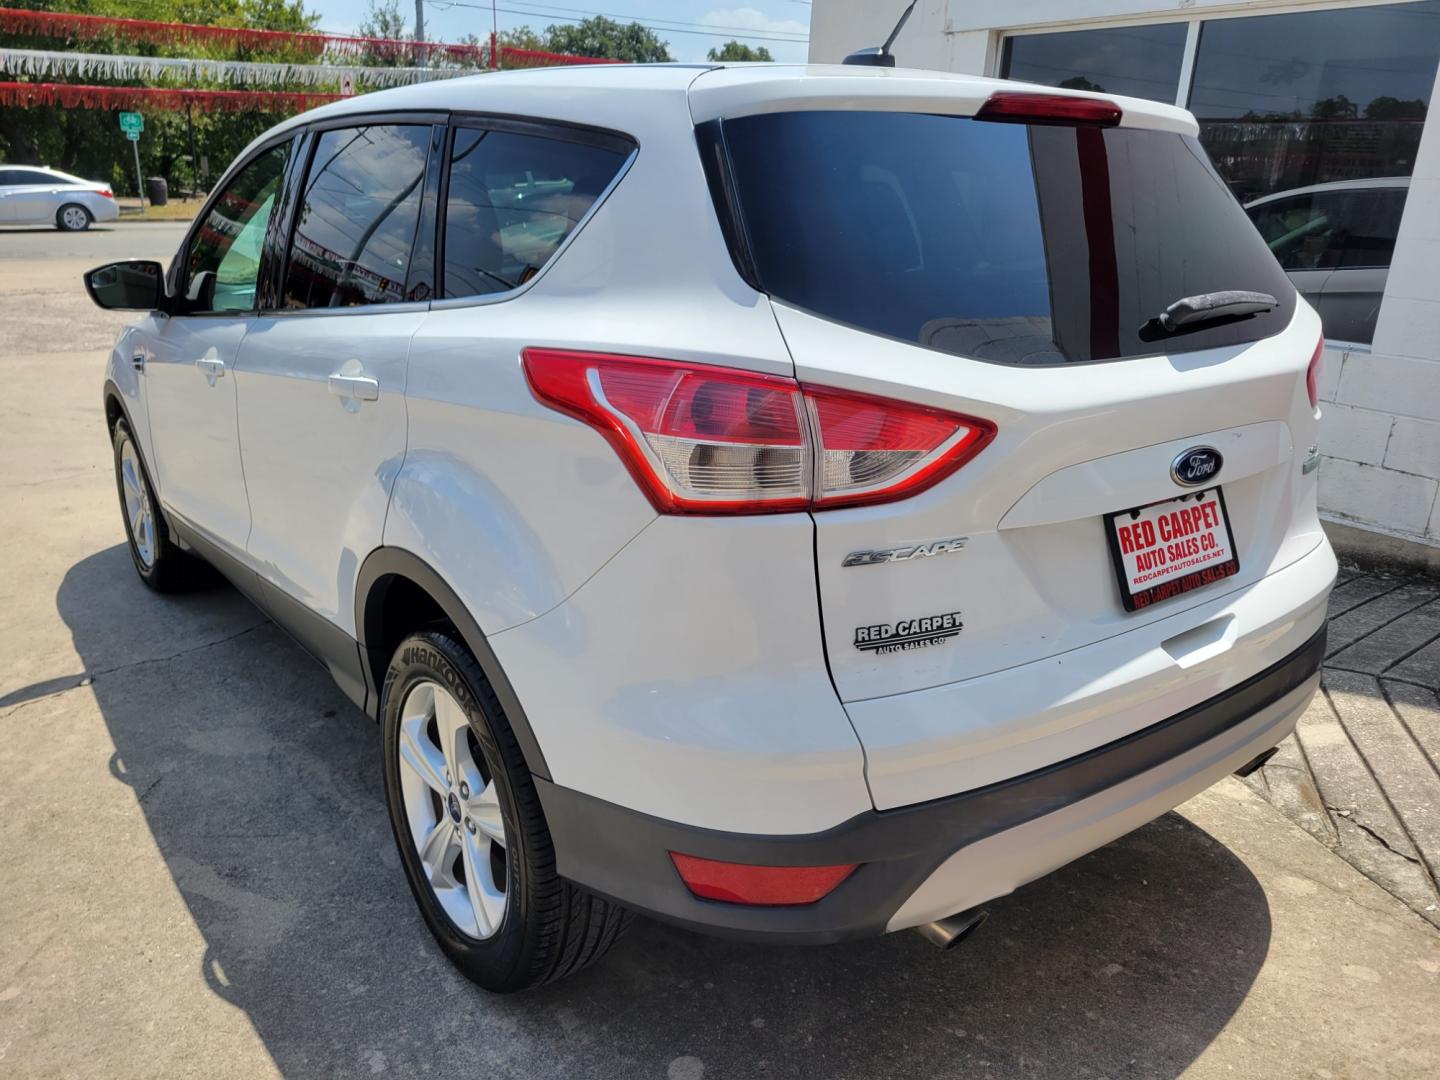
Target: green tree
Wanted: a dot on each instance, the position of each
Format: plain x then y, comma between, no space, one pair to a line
383,20
1338,107
602,37
1386,107
89,141
523,37
736,52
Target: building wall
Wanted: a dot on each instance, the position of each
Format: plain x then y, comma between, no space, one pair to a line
1381,432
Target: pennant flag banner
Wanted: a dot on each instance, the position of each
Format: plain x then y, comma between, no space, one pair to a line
72,96
72,26
43,64
65,24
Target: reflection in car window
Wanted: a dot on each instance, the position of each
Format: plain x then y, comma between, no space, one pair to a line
513,200
1010,243
1141,61
1346,227
224,260
357,217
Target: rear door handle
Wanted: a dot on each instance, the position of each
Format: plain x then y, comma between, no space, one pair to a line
354,387
212,369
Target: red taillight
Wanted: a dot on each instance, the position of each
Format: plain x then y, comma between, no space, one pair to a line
1020,108
874,449
105,193
708,440
769,886
1312,374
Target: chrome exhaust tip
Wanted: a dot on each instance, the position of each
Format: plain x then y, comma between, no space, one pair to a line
951,931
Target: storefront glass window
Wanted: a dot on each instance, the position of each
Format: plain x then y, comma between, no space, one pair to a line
1314,120
1137,61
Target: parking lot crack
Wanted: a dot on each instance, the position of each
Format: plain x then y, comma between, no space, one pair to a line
1349,816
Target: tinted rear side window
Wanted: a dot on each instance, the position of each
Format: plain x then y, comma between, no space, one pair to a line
512,201
361,201
1005,242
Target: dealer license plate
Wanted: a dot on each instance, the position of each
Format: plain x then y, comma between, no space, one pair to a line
1171,547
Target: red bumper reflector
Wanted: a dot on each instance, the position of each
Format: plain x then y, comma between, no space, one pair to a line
1024,108
774,886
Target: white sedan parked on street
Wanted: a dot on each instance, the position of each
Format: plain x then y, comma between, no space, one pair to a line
33,195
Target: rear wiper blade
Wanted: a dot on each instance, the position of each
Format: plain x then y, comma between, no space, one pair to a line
1205,307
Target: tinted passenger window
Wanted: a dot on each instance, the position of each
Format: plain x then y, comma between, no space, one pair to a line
224,260
1335,229
358,211
1005,242
513,199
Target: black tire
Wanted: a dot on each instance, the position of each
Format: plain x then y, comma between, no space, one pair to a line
551,928
63,226
169,568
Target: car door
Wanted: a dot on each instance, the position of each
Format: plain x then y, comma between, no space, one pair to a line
188,360
1351,296
1302,232
322,373
9,181
29,196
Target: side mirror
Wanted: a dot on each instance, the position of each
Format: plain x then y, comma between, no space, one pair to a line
133,285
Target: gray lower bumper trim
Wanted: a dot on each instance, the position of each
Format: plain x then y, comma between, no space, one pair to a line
624,854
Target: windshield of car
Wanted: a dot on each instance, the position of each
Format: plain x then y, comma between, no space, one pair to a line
1013,243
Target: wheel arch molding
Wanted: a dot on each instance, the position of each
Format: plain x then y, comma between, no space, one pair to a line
387,568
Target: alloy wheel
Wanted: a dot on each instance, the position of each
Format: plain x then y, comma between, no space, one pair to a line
138,508
73,217
452,810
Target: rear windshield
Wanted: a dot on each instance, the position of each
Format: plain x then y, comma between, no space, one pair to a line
1011,243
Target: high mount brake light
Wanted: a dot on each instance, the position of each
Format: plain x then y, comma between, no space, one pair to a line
1007,106
1312,374
700,439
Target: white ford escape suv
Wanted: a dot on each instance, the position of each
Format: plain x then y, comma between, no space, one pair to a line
795,503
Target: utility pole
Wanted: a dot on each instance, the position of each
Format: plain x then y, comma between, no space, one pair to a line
419,20
494,38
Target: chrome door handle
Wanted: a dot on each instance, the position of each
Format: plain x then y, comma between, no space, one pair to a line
354,387
211,369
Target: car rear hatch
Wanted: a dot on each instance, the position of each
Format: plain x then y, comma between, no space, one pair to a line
1012,268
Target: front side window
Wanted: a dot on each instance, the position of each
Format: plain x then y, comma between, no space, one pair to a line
1011,243
223,264
513,199
358,211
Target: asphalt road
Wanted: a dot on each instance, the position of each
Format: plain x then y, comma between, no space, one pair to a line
198,877
130,240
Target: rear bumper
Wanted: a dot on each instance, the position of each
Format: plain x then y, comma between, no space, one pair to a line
933,859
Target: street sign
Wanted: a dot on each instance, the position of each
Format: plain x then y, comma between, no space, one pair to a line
132,135
132,123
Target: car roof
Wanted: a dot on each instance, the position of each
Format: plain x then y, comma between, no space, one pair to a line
612,94
46,169
1370,183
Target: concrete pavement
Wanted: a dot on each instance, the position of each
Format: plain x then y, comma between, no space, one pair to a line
1362,772
199,878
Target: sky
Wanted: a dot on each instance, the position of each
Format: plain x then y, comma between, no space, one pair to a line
690,26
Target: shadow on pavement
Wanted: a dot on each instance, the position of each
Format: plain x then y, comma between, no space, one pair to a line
261,786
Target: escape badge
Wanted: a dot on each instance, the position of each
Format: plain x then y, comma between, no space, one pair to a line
908,633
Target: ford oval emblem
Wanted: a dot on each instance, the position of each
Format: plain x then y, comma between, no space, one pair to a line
1196,466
